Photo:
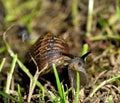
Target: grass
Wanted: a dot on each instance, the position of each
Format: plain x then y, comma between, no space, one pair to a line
75,13
90,18
110,99
5,93
8,96
106,33
19,94
78,87
26,11
114,79
63,94
10,73
2,64
15,59
2,50
59,87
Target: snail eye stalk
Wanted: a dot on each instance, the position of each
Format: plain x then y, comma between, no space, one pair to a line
73,56
69,55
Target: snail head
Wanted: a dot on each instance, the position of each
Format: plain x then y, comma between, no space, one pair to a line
76,63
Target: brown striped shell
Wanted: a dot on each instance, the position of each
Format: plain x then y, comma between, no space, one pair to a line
47,50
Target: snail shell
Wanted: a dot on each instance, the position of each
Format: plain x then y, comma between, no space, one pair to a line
47,50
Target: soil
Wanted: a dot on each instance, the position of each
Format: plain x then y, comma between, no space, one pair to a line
56,16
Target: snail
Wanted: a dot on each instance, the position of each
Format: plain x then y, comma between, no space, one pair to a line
51,48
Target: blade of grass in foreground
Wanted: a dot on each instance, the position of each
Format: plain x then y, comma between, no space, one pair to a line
84,51
59,86
19,94
10,73
78,87
8,96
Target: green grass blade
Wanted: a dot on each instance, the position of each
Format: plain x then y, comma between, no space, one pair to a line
118,11
59,86
54,97
85,49
2,64
110,99
2,50
78,87
90,17
10,73
105,37
8,96
19,94
75,12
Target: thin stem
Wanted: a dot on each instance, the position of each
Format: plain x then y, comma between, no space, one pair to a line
78,87
2,64
10,73
90,18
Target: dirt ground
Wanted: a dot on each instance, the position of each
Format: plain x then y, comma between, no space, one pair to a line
55,16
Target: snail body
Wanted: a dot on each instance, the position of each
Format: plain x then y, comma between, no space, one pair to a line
47,50
77,65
